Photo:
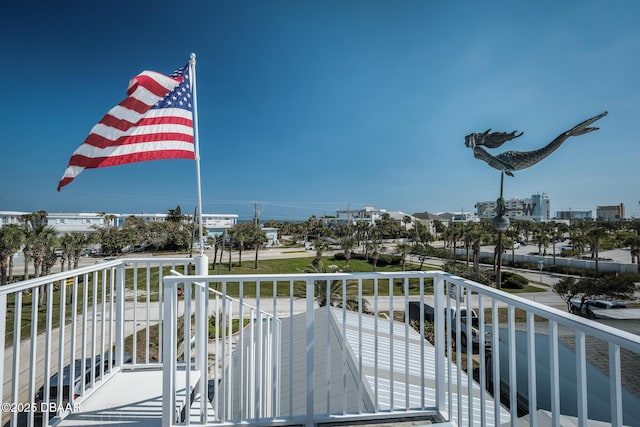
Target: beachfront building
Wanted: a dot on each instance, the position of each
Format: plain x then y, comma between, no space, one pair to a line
87,221
272,236
369,215
535,208
572,215
65,222
462,216
429,220
610,213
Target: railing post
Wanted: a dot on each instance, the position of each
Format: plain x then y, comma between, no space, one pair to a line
3,309
439,319
169,354
202,269
615,385
310,294
120,279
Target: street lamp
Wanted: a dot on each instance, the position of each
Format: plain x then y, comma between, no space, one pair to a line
500,223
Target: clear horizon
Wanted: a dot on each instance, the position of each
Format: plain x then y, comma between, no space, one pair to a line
310,107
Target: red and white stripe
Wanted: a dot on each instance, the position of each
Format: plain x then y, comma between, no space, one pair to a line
133,132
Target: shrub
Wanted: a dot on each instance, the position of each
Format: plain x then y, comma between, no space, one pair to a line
339,256
513,281
384,260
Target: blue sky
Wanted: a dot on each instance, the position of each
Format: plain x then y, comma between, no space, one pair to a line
308,107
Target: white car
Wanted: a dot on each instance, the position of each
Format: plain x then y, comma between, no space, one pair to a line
197,245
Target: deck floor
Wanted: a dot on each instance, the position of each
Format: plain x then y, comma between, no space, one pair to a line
132,398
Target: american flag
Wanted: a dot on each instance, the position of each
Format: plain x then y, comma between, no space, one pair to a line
154,122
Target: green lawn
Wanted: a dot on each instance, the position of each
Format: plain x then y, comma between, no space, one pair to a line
150,277
299,265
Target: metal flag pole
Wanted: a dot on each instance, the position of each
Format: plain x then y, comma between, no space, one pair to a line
192,73
201,260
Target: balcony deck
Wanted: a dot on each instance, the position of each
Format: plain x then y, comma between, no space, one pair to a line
298,362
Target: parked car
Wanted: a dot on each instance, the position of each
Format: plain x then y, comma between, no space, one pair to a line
592,304
66,382
205,245
475,329
414,311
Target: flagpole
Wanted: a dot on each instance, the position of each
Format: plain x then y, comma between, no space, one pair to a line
196,143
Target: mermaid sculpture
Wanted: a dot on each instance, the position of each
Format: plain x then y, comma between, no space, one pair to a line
510,161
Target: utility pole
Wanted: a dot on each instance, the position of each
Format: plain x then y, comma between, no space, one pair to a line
255,214
255,225
349,219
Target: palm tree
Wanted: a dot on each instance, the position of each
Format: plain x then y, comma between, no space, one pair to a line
321,246
374,246
40,241
50,257
596,233
337,290
439,228
258,238
11,238
578,237
28,223
542,237
347,244
467,240
43,244
406,220
421,250
558,230
65,245
512,235
633,241
403,249
239,235
478,235
362,233
77,242
454,233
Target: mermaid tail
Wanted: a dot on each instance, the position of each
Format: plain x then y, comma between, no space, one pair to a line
510,161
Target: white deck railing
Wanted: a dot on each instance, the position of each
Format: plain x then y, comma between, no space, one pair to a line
269,350
379,369
101,305
240,361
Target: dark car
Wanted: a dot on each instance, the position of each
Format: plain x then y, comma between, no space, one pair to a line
414,311
66,381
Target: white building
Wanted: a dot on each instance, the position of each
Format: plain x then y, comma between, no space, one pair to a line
368,214
215,224
62,222
86,222
463,217
535,208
